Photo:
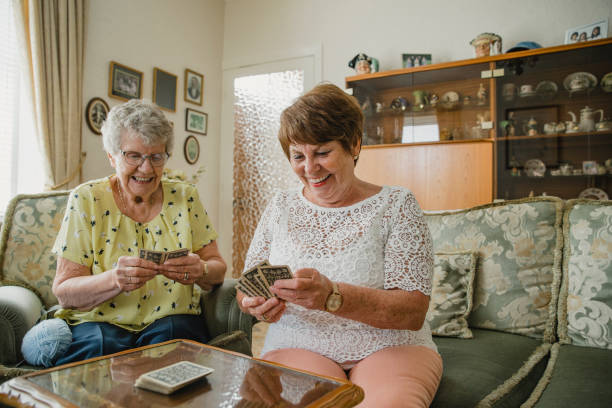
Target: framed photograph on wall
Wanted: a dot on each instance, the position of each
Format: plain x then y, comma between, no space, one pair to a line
194,87
164,89
124,82
191,149
415,60
196,121
95,114
588,32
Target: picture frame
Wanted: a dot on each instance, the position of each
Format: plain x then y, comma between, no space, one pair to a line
164,89
196,121
124,83
191,149
95,114
415,60
589,32
194,87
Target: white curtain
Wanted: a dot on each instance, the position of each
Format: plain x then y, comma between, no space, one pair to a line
53,34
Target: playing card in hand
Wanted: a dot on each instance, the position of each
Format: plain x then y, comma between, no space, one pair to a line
159,257
153,256
257,280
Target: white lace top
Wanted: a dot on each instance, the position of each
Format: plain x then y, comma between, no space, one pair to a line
381,242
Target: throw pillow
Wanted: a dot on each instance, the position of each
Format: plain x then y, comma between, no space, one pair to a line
452,293
585,299
519,259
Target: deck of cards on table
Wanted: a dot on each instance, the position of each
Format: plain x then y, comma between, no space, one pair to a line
257,280
168,379
159,257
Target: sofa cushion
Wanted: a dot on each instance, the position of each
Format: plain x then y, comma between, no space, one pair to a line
451,294
585,299
580,377
519,256
479,369
31,223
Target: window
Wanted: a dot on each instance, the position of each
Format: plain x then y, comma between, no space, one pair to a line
21,164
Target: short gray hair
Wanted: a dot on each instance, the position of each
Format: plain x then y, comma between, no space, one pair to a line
143,119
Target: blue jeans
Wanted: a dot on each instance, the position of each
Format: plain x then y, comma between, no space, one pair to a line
92,339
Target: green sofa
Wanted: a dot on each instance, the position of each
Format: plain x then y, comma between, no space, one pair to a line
538,331
27,268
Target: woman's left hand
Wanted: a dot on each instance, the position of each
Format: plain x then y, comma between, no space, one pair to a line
308,288
186,269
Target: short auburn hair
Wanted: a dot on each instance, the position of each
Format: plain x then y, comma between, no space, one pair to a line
324,114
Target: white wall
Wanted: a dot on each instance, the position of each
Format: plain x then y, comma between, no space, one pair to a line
387,28
170,35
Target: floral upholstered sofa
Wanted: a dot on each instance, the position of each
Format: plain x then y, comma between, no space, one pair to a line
27,269
521,307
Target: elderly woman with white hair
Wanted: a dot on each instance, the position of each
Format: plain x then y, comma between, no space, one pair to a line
111,298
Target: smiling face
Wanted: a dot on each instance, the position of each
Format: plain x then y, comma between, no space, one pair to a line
327,172
137,181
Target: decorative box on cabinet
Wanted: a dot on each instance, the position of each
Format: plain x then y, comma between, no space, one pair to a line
453,134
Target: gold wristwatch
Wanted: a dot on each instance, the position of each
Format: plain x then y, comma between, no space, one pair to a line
334,300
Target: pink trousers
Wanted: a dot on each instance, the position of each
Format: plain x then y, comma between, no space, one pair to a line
401,376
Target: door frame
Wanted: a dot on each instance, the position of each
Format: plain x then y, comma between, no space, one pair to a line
243,67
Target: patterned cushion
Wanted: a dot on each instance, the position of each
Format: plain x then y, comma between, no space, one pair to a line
31,223
519,254
451,294
585,300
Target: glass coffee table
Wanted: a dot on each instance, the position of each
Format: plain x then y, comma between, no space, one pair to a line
237,381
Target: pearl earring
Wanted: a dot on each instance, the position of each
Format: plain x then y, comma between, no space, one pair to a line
355,157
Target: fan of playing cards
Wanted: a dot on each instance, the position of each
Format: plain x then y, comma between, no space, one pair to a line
257,280
159,257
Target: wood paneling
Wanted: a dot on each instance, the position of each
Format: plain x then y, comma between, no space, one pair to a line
442,176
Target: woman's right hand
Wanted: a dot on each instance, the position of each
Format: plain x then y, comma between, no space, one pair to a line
269,310
132,272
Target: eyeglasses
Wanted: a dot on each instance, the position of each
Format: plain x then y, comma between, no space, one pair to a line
136,159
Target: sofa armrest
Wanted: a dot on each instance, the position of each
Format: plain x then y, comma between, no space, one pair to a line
222,313
20,309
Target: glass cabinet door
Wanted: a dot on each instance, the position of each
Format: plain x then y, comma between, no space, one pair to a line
424,106
554,124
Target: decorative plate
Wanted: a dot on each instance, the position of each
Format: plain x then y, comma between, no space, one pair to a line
594,194
585,77
527,94
606,82
450,100
535,168
547,89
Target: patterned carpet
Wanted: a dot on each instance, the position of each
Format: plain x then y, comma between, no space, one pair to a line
259,334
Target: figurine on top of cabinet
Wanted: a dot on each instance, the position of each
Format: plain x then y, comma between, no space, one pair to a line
362,64
486,44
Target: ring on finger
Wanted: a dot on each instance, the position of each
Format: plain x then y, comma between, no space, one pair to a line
186,276
264,317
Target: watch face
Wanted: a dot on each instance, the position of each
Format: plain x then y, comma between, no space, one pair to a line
334,302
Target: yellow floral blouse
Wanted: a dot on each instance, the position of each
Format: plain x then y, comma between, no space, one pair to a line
94,233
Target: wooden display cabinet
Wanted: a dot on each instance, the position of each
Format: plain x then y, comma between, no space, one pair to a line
468,141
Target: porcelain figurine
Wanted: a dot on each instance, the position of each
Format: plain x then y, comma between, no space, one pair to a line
434,99
486,44
531,127
362,64
420,100
481,95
